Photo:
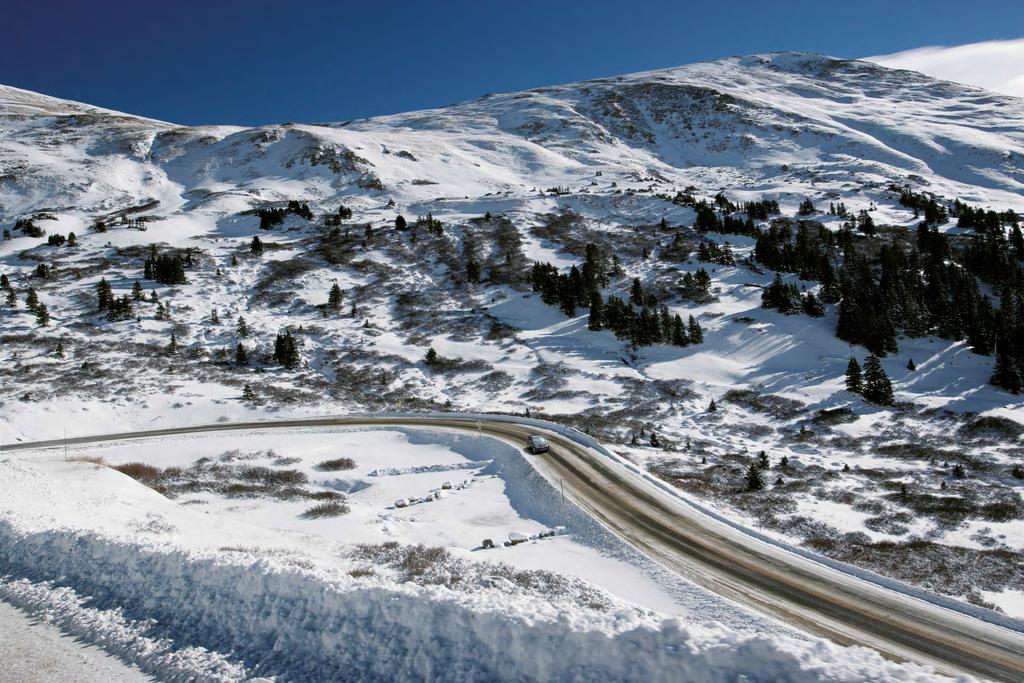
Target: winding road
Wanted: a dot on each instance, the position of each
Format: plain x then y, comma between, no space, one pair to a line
791,585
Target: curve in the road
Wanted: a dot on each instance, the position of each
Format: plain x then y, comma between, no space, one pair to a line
793,585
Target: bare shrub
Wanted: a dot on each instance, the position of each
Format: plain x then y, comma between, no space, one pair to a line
328,509
140,472
420,558
769,404
992,426
337,464
272,477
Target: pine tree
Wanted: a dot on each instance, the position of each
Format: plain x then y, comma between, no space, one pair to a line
400,222
910,365
137,291
655,441
120,309
762,460
12,298
168,269
472,271
636,293
1006,373
42,315
241,329
431,358
234,260
5,282
812,306
104,295
712,407
256,248
755,482
679,335
696,333
853,377
32,299
595,320
877,387
633,440
286,350
59,351
248,394
214,317
172,347
334,298
241,354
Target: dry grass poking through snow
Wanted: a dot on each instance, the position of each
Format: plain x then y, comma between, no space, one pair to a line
232,481
431,565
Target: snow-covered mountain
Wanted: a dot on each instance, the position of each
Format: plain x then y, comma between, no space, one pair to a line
517,178
764,123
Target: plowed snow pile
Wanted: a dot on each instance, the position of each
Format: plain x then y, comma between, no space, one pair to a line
185,594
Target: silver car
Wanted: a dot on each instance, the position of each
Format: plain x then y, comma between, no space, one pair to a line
537,444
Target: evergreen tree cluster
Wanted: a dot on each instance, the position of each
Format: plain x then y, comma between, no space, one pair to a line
711,252
761,210
872,383
168,269
838,209
33,304
981,220
430,224
641,320
116,308
806,208
934,213
696,286
286,350
334,219
271,217
930,287
786,298
28,228
808,253
134,223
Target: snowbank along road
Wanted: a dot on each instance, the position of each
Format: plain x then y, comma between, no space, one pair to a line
795,586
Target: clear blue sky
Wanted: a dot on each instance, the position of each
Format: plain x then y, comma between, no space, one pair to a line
224,61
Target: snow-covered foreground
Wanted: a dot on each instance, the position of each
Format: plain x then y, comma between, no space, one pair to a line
229,588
